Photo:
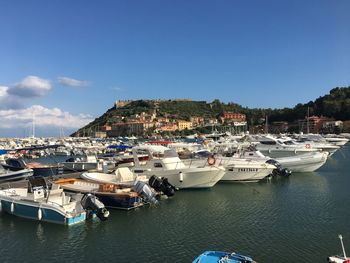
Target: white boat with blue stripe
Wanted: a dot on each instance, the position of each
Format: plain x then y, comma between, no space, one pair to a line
37,202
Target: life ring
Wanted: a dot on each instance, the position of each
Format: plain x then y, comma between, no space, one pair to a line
308,146
211,160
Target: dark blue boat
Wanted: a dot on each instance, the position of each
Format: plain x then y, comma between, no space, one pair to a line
112,196
222,257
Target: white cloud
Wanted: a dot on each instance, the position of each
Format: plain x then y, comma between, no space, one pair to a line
31,86
3,91
72,82
116,88
44,117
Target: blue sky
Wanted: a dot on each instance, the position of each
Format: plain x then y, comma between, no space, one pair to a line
66,62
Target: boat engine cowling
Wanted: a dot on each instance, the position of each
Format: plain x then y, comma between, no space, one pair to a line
279,169
161,184
91,203
145,191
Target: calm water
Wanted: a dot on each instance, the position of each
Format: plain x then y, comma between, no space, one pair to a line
285,220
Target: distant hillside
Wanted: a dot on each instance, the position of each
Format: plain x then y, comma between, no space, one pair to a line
336,104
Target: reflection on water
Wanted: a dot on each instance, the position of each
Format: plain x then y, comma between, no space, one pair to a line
282,220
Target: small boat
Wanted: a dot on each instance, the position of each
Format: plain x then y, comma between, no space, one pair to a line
339,259
122,175
40,203
39,169
112,195
8,175
221,257
85,163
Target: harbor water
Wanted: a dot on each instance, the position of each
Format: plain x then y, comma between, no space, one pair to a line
295,219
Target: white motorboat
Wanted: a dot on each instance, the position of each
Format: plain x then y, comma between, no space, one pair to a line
341,258
336,140
245,170
307,162
163,162
316,141
38,202
276,148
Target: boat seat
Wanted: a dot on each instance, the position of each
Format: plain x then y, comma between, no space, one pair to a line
59,197
123,174
55,186
56,191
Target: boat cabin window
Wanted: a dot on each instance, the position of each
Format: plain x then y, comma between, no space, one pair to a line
268,142
158,165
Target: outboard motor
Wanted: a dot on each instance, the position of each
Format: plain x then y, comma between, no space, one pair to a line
92,204
145,191
279,169
161,184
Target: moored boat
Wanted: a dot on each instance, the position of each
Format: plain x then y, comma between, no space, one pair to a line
220,257
112,195
163,162
40,203
8,175
339,258
39,169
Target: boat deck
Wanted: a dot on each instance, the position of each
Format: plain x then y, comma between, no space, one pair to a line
24,183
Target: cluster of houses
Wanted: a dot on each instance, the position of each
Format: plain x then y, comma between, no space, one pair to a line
147,123
150,122
312,124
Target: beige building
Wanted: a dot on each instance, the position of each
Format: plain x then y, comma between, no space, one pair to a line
168,127
182,125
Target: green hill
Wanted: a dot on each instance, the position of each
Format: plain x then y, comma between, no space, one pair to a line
336,104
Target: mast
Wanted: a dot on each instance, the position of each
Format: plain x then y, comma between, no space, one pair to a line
33,126
307,121
342,245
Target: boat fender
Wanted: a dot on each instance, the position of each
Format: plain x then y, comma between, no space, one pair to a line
0,206
181,177
40,214
12,207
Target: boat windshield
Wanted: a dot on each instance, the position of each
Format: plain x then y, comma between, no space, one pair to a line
170,153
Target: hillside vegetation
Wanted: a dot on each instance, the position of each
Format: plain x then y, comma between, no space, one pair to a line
336,104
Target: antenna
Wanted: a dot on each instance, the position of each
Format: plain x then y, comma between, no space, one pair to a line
342,245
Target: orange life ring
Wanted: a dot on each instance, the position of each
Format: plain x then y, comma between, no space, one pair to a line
211,160
308,146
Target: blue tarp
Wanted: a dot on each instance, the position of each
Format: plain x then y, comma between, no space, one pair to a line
3,152
119,147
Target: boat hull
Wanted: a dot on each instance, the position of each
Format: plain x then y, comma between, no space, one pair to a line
246,174
15,175
204,177
120,202
304,163
219,256
30,210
